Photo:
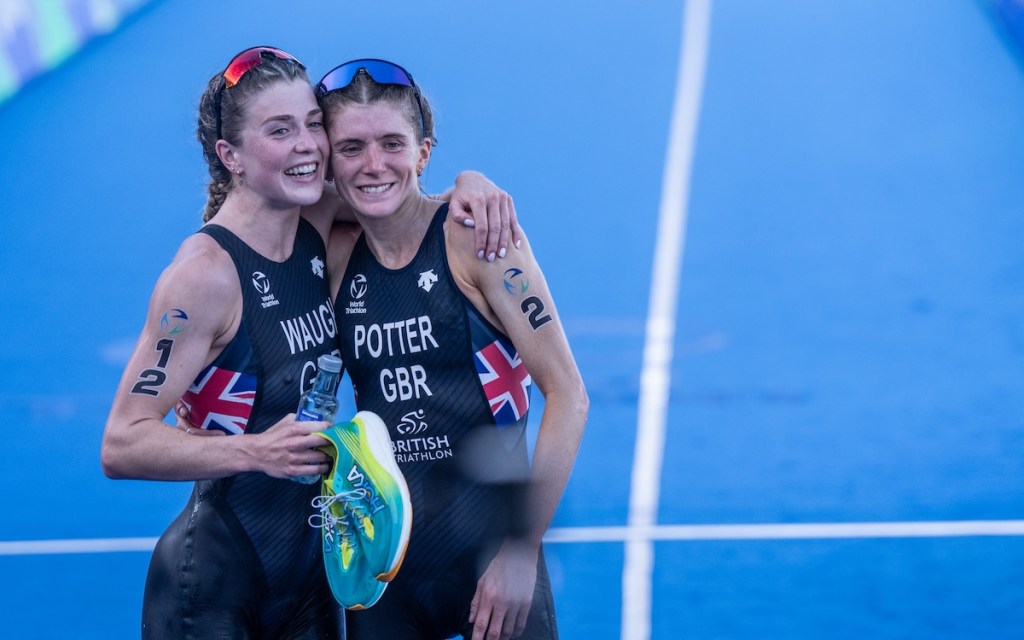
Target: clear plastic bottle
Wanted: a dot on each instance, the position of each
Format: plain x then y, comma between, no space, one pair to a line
321,401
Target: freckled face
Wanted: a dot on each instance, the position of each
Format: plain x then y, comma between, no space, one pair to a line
375,158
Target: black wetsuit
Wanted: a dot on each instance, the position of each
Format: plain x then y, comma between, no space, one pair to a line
455,396
241,561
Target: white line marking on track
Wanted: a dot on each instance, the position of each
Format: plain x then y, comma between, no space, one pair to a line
663,533
804,531
655,375
94,545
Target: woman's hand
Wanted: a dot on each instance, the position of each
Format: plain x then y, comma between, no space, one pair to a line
477,202
286,450
181,421
504,593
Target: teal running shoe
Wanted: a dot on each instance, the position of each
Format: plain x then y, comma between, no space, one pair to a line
352,583
381,515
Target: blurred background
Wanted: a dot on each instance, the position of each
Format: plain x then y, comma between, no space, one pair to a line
838,447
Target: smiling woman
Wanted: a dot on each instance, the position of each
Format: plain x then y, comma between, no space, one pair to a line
433,340
237,281
213,341
251,140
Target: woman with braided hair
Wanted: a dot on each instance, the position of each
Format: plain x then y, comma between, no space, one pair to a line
234,329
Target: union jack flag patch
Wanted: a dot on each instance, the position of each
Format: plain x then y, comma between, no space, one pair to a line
221,399
505,381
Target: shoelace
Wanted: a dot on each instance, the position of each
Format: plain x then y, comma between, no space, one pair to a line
331,523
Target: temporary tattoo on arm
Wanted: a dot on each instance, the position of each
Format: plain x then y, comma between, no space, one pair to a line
150,379
533,308
515,282
172,323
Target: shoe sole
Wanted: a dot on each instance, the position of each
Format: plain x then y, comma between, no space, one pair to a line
376,434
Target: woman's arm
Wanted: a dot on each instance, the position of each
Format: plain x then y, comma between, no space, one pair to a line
193,312
477,202
521,304
474,201
515,297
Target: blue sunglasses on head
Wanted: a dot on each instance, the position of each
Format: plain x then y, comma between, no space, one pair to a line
381,71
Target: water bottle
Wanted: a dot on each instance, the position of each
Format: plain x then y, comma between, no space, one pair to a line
321,401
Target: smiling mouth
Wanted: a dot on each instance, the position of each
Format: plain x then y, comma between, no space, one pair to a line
376,188
302,170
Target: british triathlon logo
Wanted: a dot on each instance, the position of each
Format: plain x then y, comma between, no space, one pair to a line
412,422
410,445
427,280
356,290
262,284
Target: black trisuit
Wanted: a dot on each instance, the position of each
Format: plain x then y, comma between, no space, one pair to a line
454,394
241,561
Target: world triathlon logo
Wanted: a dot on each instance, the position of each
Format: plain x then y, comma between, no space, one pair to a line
173,322
358,287
261,282
515,282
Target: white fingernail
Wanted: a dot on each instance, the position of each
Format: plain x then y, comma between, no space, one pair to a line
490,257
480,254
501,252
469,222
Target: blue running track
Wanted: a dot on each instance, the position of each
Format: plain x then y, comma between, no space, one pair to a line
826,378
